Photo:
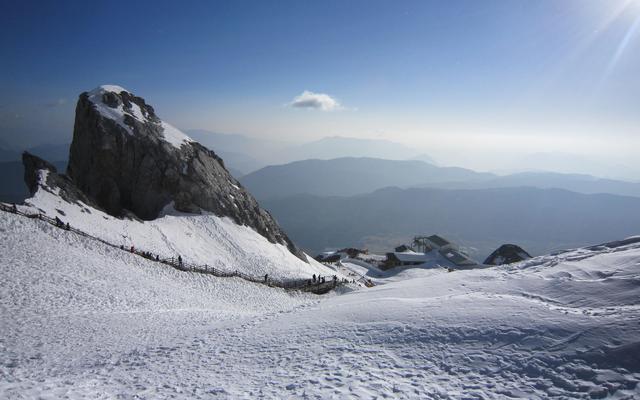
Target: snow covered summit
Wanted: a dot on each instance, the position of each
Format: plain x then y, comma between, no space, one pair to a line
120,105
126,159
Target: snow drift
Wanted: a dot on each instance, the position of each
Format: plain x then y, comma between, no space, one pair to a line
197,238
81,319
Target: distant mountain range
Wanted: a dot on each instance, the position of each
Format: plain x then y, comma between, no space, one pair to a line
572,163
351,176
246,154
545,180
240,153
539,220
339,147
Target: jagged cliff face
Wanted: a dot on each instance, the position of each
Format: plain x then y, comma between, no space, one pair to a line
126,158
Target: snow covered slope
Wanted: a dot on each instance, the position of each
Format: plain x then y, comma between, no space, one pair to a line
202,239
83,320
78,317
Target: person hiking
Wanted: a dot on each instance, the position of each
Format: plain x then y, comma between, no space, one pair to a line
314,278
180,261
68,227
266,277
133,249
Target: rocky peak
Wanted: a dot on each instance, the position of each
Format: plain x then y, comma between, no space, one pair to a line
507,254
132,115
42,175
124,157
32,167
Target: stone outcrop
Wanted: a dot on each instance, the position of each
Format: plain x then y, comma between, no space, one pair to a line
507,254
42,175
126,159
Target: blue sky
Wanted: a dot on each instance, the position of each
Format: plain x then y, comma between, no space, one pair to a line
450,76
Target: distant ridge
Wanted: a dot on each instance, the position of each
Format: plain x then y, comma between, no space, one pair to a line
539,220
349,176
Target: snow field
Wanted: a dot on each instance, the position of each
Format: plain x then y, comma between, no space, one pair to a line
201,239
79,316
87,321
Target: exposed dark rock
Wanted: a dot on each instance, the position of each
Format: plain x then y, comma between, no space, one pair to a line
328,258
125,158
32,167
353,252
40,174
507,254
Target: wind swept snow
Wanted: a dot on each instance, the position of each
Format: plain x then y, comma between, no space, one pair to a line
202,239
87,321
80,318
174,136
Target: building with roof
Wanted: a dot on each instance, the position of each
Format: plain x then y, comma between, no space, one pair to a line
457,257
403,248
406,258
438,242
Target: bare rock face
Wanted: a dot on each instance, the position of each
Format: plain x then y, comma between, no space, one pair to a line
32,167
42,175
126,158
507,254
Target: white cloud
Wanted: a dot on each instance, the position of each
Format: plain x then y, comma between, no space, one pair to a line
316,101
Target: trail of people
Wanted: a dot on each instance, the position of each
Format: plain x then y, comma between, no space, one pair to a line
319,286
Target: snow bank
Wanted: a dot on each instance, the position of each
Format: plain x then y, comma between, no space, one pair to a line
82,320
174,136
202,239
567,329
71,306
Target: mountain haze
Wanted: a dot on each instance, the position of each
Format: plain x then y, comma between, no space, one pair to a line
339,147
539,220
349,176
579,183
248,154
